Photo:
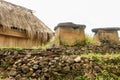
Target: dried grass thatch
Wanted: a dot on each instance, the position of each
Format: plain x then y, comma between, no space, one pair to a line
14,17
17,17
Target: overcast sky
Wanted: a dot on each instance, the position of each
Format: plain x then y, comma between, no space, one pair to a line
92,13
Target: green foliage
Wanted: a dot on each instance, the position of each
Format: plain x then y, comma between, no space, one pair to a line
4,65
16,48
64,44
47,45
88,38
1,77
115,56
105,78
82,77
78,42
30,78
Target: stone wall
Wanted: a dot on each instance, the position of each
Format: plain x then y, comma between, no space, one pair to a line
43,65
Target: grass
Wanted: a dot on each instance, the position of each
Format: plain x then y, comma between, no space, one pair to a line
16,48
47,45
100,55
88,38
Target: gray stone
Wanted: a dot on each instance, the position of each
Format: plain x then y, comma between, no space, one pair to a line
12,73
35,66
77,59
25,68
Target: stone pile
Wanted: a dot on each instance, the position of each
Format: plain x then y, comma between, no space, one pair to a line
31,64
104,48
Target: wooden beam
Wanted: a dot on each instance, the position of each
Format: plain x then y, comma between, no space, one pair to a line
13,33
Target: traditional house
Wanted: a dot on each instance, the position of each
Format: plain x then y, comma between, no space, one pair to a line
69,34
107,34
20,28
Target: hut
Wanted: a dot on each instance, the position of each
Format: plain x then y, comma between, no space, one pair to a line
20,28
106,34
69,34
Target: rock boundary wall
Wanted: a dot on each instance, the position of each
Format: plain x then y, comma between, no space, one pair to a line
26,65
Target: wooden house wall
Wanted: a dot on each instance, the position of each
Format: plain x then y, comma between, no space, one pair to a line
15,38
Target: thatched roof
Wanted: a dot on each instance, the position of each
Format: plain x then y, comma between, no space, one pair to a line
16,17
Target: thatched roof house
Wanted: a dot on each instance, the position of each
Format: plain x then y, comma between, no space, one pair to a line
20,28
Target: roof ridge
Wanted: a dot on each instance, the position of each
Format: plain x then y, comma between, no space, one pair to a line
9,3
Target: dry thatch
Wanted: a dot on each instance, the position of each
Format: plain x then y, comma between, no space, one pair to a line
19,18
20,28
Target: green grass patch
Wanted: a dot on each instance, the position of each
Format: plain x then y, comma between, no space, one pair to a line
88,38
16,48
107,55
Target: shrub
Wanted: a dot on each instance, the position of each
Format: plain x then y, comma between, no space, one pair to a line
88,38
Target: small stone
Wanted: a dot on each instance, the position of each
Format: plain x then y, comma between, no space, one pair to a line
28,64
67,68
10,78
25,69
28,56
56,58
97,68
18,76
87,60
13,73
38,71
23,78
35,66
77,59
70,60
53,61
33,74
31,69
29,73
14,66
50,63
44,70
59,64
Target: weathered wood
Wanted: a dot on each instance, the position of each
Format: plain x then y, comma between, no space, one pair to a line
11,41
14,33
